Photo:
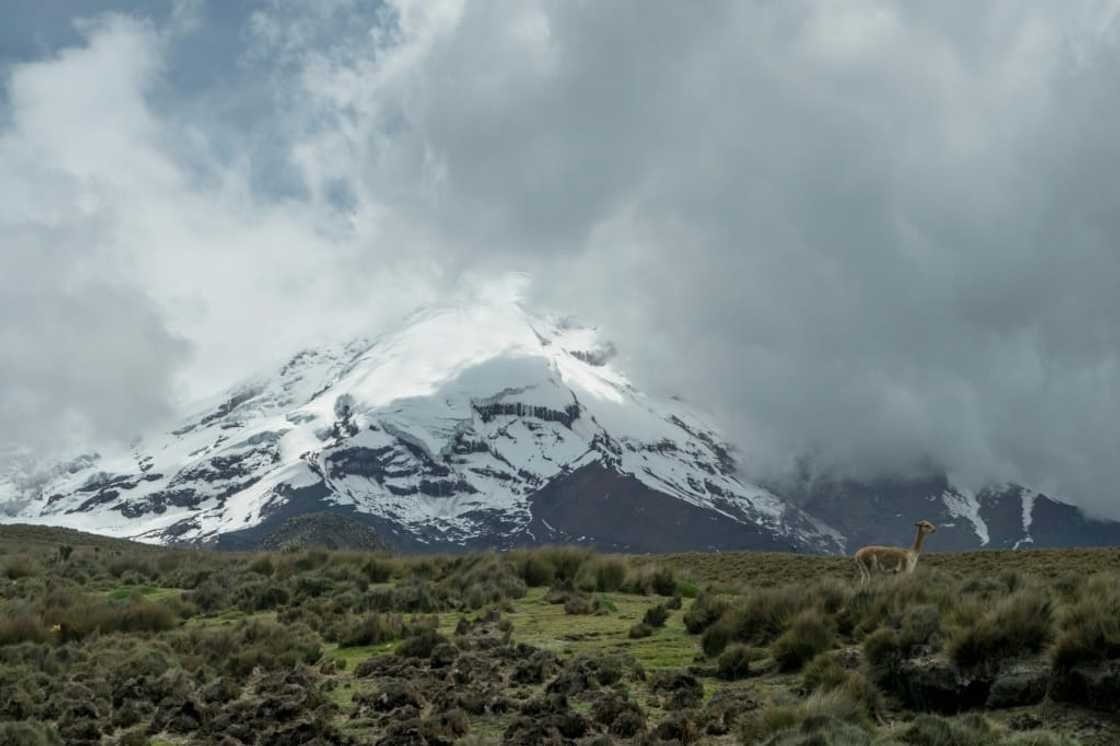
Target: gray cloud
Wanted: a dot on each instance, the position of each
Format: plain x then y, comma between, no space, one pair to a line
880,233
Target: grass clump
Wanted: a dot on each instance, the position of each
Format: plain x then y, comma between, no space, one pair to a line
372,629
640,630
810,634
27,733
656,615
1089,630
1020,624
703,612
735,662
823,673
818,715
883,652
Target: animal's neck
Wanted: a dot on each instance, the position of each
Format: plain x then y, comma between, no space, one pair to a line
918,539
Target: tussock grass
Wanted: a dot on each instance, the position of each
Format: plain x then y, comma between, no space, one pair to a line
1019,625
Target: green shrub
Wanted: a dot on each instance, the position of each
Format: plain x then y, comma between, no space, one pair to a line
377,570
704,612
373,629
920,626
609,574
420,642
21,626
1039,738
810,634
20,566
579,604
823,673
717,637
131,563
262,565
28,734
735,663
90,615
766,613
933,730
883,652
656,616
1089,630
639,630
1019,624
536,570
647,580
817,714
208,596
565,561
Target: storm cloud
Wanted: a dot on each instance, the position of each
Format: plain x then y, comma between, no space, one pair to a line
882,235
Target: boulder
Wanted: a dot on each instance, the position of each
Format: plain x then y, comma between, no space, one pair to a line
1019,685
1094,685
934,684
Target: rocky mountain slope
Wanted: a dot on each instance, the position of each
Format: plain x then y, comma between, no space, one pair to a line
1005,516
467,426
486,426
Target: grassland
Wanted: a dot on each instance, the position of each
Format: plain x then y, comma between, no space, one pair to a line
107,642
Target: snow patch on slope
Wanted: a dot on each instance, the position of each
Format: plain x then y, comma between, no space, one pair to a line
962,503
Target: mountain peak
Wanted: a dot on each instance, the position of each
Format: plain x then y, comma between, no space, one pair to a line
462,426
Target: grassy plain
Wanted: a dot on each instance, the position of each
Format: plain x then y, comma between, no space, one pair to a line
106,642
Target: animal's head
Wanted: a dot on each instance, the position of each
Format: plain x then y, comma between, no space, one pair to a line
926,527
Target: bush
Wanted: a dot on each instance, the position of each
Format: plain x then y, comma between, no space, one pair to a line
652,579
373,629
818,714
209,596
766,613
823,673
131,563
28,734
717,637
656,616
377,570
535,570
1020,624
20,566
639,630
735,663
933,730
921,626
578,603
238,649
704,612
262,565
1089,629
91,615
883,652
809,635
21,626
420,642
565,561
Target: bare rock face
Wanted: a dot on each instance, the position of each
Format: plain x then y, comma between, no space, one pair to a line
1019,685
934,684
1093,685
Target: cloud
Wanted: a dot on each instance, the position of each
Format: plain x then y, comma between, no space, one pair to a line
881,234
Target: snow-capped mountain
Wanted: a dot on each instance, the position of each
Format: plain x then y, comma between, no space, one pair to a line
467,426
1003,516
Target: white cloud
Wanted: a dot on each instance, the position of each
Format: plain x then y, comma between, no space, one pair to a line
883,233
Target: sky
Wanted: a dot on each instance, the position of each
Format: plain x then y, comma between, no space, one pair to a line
875,237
